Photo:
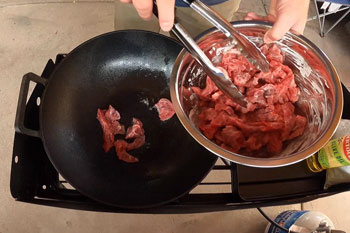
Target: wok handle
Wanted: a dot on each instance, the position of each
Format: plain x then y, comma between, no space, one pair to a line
22,101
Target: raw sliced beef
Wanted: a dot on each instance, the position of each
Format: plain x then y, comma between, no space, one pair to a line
137,143
109,121
117,128
121,150
122,146
165,109
269,118
135,130
108,133
205,94
110,126
112,114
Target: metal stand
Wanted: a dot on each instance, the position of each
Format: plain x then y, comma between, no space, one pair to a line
321,17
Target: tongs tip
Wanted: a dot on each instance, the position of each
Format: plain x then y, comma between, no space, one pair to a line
221,78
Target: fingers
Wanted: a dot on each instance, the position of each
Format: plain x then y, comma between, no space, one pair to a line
290,15
279,29
166,14
253,16
298,28
165,11
143,8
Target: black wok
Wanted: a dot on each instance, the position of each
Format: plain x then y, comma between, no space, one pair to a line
131,71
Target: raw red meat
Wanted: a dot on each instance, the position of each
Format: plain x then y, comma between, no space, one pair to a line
122,146
137,143
269,118
165,109
117,128
112,114
108,134
232,137
135,130
121,149
205,94
110,125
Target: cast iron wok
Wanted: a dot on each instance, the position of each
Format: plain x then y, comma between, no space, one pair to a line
129,70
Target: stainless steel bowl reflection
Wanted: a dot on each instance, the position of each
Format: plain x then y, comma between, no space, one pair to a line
321,99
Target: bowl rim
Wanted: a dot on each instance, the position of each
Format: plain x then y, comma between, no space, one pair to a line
253,161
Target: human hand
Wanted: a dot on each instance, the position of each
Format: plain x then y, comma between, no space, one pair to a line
165,11
286,15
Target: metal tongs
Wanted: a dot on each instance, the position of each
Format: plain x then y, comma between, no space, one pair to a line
247,47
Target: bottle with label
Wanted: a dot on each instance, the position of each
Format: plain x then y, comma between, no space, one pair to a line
309,220
336,153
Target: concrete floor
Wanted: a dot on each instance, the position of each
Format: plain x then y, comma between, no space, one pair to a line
33,31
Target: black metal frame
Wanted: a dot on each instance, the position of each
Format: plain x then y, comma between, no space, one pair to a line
35,180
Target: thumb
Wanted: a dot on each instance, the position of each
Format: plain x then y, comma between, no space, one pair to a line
281,26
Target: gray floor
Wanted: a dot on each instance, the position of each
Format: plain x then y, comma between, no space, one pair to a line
31,32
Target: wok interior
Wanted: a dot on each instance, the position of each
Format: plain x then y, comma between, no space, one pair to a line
317,100
118,69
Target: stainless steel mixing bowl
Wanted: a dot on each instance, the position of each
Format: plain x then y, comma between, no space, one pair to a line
321,99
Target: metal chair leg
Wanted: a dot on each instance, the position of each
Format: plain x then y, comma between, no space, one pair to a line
338,21
318,17
323,22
